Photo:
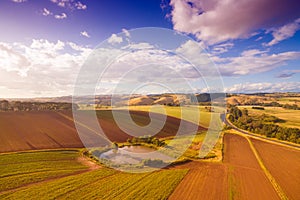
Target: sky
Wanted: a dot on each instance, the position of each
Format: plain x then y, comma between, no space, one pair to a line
254,44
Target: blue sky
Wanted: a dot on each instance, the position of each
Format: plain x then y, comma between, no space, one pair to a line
255,44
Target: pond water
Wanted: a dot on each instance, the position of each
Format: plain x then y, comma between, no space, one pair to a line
134,155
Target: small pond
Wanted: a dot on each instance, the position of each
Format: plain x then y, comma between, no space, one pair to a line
133,155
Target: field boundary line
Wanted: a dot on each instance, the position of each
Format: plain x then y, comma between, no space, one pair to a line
259,137
275,185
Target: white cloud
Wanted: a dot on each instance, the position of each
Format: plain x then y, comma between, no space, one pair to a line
61,16
215,21
248,62
264,87
126,32
222,48
114,39
285,32
46,12
85,34
19,1
42,68
70,4
80,6
61,3
253,61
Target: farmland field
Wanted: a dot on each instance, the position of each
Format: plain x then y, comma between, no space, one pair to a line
284,165
204,181
101,183
51,130
291,117
36,130
187,113
19,169
247,178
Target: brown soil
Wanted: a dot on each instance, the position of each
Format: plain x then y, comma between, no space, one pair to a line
284,165
50,130
248,179
203,181
36,130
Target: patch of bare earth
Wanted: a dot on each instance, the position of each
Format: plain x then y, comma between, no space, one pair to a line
284,165
248,179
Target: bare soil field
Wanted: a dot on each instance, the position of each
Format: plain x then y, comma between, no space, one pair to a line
203,181
283,163
247,180
49,130
36,130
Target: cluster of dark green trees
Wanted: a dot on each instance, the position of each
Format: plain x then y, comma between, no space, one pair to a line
263,125
276,104
147,140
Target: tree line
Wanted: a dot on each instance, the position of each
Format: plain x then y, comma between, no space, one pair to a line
30,106
274,104
263,125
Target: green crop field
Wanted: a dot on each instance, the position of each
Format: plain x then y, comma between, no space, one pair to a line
26,173
291,117
18,169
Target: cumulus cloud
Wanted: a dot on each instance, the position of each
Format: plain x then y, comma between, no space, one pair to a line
43,68
46,12
215,21
85,34
284,32
61,16
114,39
264,87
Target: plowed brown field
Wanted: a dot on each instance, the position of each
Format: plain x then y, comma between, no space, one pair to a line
36,130
284,164
238,177
248,179
48,129
203,181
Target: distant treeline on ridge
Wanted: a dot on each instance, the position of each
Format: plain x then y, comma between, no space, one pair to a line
29,106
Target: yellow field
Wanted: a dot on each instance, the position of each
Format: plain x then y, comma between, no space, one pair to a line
291,117
196,114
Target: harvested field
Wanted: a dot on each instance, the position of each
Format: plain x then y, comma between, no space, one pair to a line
49,130
36,130
203,181
246,178
284,164
142,119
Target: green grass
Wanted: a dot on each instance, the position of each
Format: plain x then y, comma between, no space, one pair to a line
56,188
18,169
291,117
104,184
